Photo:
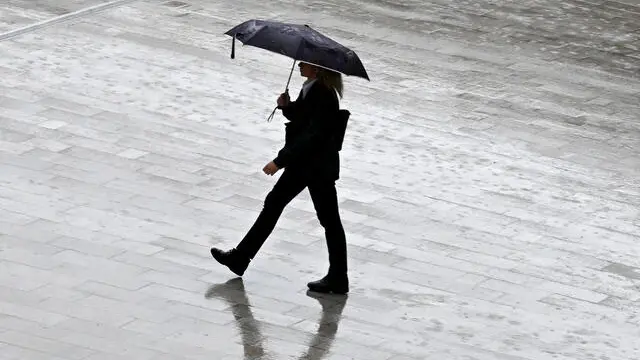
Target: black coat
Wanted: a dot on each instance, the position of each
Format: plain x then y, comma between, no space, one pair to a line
313,134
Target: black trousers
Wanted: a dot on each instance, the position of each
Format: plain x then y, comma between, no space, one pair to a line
325,201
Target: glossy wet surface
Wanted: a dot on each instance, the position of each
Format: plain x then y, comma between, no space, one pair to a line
489,187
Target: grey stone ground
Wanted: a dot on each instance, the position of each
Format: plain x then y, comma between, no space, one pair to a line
490,186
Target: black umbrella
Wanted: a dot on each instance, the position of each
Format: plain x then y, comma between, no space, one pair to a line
299,42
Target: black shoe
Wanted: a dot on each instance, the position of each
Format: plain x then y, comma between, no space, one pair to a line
232,259
331,284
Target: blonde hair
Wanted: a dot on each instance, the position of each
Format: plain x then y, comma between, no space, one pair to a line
332,79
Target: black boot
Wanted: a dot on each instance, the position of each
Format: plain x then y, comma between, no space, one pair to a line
235,261
336,284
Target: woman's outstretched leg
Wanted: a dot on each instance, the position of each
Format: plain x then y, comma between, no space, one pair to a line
286,189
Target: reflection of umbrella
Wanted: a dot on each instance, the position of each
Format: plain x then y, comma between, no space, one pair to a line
299,42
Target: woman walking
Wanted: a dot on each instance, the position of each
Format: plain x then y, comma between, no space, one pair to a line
310,159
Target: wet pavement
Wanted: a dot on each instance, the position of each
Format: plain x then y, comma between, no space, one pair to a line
489,188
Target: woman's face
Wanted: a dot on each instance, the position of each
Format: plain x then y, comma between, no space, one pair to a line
307,70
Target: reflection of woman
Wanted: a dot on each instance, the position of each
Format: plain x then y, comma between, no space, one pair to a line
327,327
234,294
310,159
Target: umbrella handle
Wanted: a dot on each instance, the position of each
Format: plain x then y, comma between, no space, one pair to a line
286,90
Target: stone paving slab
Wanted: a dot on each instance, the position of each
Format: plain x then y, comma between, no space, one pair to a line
489,187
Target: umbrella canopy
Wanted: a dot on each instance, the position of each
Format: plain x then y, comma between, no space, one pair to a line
299,42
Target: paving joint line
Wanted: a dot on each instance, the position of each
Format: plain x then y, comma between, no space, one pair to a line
63,18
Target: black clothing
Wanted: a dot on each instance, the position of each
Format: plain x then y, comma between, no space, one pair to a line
311,139
310,159
325,200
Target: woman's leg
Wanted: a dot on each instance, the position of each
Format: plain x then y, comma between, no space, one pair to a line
286,189
325,201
